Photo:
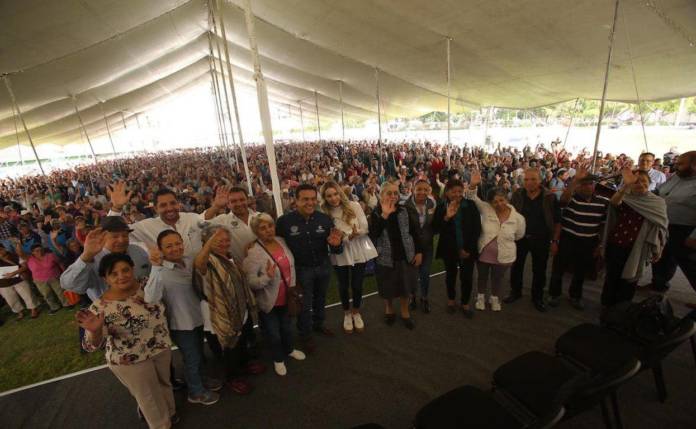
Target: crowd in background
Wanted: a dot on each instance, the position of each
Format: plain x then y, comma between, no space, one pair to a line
174,247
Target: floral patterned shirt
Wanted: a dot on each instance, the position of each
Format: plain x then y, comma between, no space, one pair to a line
133,330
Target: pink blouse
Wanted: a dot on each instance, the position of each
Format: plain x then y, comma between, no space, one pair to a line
284,265
44,269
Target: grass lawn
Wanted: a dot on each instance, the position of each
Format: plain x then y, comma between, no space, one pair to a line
39,349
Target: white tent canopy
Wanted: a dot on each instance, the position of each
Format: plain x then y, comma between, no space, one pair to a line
127,54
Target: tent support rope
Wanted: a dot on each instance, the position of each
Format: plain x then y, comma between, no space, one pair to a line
218,53
299,103
230,79
570,123
218,113
604,90
19,147
340,99
379,118
264,110
8,85
218,96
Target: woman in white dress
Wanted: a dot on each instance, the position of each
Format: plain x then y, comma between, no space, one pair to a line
358,249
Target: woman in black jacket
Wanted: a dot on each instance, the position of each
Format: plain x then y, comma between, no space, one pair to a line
458,222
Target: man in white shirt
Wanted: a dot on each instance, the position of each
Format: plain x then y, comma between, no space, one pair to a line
645,163
237,221
169,216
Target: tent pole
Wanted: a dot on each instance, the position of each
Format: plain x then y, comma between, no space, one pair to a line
21,119
217,111
224,87
340,99
82,125
379,118
125,128
234,95
316,108
218,98
604,90
299,103
635,83
570,123
449,100
140,131
19,147
263,107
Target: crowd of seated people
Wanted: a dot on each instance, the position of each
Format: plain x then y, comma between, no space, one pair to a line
180,248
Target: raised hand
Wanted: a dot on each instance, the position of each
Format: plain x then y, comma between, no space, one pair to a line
628,177
388,207
90,321
94,243
334,238
353,233
215,239
119,196
270,269
155,256
475,179
221,198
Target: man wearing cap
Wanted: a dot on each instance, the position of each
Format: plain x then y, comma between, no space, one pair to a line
111,237
169,216
582,221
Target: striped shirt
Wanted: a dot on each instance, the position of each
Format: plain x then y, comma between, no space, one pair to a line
584,218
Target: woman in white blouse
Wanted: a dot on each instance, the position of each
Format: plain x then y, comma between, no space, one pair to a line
350,219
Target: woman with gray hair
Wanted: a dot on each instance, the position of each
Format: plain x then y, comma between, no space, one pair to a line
231,304
270,272
395,231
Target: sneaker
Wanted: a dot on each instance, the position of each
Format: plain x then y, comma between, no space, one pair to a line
347,323
480,302
20,316
554,301
239,386
212,384
358,322
280,368
205,398
495,303
297,355
577,304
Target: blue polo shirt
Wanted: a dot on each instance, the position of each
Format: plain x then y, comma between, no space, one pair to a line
306,238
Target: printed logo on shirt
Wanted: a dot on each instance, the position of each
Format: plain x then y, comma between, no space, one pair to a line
294,230
320,229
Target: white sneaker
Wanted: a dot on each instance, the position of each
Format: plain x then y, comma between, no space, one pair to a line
480,302
280,368
347,323
495,303
297,355
358,322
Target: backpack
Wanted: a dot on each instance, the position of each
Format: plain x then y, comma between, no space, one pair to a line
647,322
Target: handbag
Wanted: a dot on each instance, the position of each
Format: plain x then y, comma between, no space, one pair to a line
294,295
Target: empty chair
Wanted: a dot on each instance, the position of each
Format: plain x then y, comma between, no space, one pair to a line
470,407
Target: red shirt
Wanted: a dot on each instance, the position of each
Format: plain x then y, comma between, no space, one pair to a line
284,265
627,227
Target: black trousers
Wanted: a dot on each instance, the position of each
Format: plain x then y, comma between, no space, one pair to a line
575,251
616,289
539,248
237,357
466,274
675,254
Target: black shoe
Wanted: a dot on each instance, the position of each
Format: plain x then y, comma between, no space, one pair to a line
408,323
175,419
540,306
389,319
178,384
412,303
512,298
425,305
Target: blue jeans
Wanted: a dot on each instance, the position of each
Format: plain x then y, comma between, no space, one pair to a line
190,344
314,282
278,331
350,277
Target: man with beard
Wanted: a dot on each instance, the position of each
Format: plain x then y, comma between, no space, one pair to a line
237,221
679,193
169,216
